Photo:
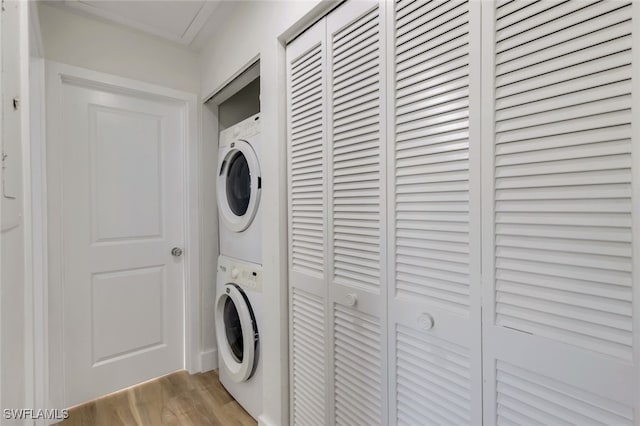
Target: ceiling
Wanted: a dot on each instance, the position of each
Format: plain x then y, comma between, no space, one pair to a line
180,21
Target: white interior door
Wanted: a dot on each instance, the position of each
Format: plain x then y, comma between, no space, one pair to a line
122,213
357,214
560,335
434,214
307,168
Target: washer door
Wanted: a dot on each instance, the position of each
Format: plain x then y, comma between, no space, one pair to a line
236,332
239,185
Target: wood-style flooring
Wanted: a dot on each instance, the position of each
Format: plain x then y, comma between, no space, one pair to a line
177,399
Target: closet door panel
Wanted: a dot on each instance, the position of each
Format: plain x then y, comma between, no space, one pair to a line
357,222
434,212
356,185
307,167
558,213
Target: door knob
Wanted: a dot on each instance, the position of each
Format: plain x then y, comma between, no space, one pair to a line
351,299
176,251
425,321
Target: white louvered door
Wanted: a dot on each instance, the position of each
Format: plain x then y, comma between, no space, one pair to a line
434,214
357,222
307,169
558,335
462,210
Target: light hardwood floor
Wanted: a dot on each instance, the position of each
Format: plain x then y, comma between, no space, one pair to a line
177,399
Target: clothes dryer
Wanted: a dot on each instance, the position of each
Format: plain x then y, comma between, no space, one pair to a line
239,187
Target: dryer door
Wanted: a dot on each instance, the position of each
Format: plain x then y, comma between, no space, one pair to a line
236,332
239,185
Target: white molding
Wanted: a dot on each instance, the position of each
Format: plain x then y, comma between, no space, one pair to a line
635,167
53,254
39,234
2,126
275,394
319,11
487,183
193,285
209,359
230,86
56,75
199,21
266,421
186,38
209,227
27,217
475,209
113,83
36,46
245,78
390,183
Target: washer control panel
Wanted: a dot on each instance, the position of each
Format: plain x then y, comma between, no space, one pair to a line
246,275
242,130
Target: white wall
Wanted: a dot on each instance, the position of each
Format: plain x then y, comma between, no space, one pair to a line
253,29
15,343
209,247
77,40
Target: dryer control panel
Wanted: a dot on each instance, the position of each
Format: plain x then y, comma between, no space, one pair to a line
243,130
246,275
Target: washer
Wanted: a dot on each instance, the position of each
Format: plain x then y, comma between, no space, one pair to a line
238,311
239,188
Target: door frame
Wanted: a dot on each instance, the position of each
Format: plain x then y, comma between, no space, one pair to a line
56,75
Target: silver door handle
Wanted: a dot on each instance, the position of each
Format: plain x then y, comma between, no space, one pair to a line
176,251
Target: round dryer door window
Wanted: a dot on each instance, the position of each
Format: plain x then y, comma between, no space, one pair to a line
236,333
239,185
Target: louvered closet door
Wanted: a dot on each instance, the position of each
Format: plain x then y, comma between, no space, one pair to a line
357,221
434,189
557,213
307,168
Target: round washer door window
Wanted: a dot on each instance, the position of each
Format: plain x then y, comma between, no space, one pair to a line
239,185
236,332
233,329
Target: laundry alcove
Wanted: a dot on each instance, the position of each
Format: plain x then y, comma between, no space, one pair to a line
235,101
461,214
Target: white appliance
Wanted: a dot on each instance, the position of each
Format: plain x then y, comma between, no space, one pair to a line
238,312
239,187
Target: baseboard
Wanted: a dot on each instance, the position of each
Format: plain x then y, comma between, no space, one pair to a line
209,360
264,421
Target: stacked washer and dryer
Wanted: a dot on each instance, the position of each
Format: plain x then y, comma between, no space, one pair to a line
239,299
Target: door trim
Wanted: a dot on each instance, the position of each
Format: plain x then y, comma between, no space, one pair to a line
58,74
